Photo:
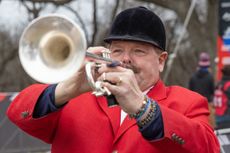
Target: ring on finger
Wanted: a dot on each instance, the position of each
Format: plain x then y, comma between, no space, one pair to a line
119,81
104,76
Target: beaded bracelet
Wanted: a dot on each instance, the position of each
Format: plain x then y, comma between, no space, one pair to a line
149,117
142,110
146,108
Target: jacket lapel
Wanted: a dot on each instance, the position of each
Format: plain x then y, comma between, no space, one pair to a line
127,123
158,92
113,113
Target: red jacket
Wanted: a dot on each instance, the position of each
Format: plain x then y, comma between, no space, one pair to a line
87,125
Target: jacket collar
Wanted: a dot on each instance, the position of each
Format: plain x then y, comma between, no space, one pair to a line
158,92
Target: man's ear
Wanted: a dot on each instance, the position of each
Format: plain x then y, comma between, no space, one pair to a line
162,59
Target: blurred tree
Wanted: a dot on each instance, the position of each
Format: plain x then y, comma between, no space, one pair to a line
12,77
197,38
10,64
34,7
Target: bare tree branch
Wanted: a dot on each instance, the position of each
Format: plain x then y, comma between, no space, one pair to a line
56,2
80,20
94,22
179,6
167,3
34,11
114,12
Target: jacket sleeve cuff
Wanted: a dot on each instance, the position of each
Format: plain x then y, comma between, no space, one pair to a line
155,129
46,102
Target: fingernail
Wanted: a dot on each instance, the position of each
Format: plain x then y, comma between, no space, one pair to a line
114,64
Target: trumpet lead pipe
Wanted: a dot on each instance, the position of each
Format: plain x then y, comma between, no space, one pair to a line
88,54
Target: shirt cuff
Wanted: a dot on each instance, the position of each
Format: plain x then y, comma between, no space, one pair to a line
46,102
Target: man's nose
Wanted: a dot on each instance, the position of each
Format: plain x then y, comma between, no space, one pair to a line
126,58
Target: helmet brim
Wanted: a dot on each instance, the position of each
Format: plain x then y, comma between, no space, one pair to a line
131,38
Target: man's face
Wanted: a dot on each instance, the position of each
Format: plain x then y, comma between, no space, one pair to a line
144,59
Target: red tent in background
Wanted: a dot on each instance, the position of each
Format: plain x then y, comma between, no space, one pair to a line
2,96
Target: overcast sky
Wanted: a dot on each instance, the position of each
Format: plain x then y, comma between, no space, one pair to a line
13,15
11,12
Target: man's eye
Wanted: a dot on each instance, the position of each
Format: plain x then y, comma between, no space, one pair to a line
139,52
116,52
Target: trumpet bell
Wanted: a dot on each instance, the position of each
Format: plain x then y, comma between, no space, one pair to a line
52,48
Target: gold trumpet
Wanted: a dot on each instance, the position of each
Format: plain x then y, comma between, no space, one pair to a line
53,47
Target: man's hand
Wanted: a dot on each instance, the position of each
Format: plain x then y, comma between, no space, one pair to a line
77,84
122,83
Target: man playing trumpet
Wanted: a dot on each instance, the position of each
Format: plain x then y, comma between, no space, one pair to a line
149,118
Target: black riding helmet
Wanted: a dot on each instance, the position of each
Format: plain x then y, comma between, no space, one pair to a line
138,24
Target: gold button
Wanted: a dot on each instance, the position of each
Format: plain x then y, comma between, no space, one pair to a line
24,114
182,142
177,138
174,136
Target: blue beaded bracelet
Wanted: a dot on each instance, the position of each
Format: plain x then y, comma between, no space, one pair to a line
142,110
146,107
150,116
